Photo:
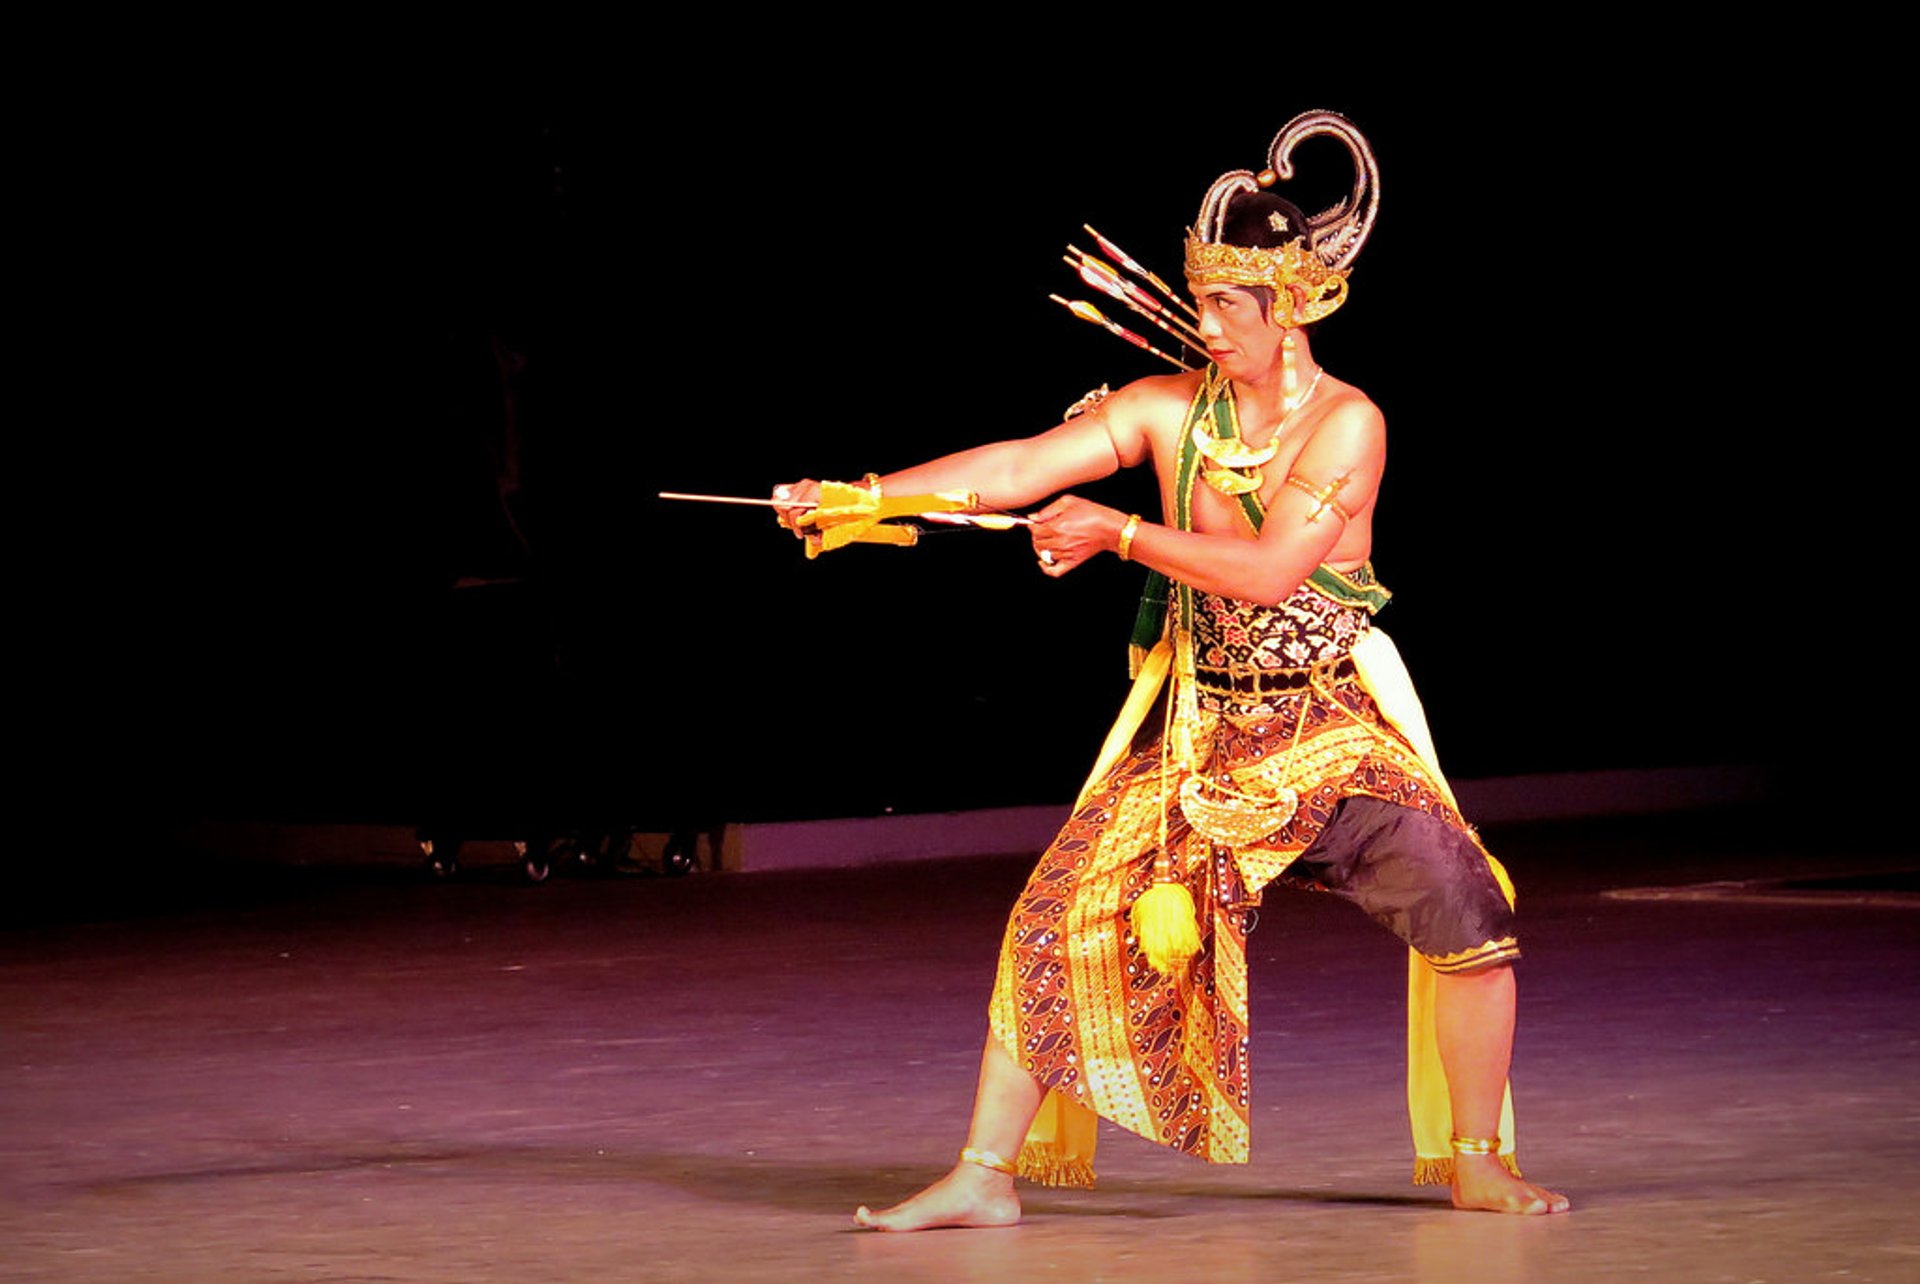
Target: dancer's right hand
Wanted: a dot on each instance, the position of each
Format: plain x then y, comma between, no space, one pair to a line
793,499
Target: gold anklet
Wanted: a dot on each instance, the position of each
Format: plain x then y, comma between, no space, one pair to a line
986,1159
1475,1145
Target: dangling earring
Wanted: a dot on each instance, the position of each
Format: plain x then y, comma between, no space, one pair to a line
1284,315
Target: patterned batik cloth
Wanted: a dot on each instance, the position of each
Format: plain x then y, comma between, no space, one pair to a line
1076,1004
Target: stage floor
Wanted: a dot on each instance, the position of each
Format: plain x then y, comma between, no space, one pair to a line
364,1076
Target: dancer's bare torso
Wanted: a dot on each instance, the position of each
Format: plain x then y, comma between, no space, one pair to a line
1148,419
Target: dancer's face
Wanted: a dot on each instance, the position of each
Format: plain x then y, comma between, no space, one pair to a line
1241,339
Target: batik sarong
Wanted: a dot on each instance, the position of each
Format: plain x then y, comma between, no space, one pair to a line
1282,707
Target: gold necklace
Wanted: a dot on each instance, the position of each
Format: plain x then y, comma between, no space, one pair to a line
1238,464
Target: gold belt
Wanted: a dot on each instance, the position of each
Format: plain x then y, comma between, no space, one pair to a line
1244,681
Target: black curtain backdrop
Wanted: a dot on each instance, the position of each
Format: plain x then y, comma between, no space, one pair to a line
364,319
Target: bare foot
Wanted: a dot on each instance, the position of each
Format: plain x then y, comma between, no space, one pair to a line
967,1196
1481,1184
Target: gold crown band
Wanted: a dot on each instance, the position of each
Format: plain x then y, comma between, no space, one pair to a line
1280,268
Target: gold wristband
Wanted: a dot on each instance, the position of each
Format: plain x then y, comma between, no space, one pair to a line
1127,533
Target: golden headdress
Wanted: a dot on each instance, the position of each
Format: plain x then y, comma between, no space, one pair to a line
1317,258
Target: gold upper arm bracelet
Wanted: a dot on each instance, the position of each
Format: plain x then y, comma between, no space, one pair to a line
1323,497
1092,401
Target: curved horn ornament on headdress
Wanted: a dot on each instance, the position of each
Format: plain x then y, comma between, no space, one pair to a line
1317,262
1211,222
1339,231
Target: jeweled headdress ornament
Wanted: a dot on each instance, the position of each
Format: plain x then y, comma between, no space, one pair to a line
1316,257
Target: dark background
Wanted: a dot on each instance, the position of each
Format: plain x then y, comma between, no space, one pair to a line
1616,340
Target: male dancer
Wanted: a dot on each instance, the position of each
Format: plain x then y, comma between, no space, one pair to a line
1283,751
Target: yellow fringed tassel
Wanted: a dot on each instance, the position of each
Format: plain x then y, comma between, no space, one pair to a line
1044,1166
1168,929
1439,1172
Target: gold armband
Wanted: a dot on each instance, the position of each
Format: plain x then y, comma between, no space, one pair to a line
1323,497
1127,533
1087,404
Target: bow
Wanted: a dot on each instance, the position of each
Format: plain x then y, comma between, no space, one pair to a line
858,513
